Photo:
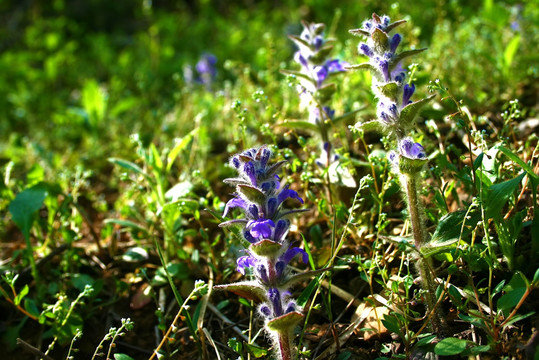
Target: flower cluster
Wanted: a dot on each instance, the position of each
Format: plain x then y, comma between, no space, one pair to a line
395,111
315,90
264,226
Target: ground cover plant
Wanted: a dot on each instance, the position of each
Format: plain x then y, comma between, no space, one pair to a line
301,180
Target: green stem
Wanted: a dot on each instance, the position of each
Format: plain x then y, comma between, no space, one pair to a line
424,265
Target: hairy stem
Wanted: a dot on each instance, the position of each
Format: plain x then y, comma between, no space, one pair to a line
285,350
424,265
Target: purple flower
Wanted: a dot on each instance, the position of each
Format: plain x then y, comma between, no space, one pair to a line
407,93
245,262
394,42
261,228
411,150
235,202
336,65
366,49
275,298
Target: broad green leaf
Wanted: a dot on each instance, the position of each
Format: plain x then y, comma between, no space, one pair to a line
31,306
25,205
499,194
392,324
450,346
178,191
450,226
389,90
514,291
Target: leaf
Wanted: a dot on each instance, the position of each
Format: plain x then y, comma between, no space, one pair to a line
526,167
359,32
302,276
181,144
306,293
252,193
129,166
179,191
409,112
298,74
450,346
122,357
299,124
251,290
389,90
127,223
450,226
285,323
391,323
394,25
380,40
372,125
25,205
363,66
256,351
499,194
17,300
266,248
403,55
514,291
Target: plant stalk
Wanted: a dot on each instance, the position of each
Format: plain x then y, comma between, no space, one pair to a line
424,265
285,350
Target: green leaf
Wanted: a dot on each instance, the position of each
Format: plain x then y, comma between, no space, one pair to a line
127,223
181,144
392,324
122,357
516,159
129,166
285,323
307,292
389,90
17,300
266,248
25,205
256,351
450,226
251,290
403,55
299,124
156,157
235,345
252,193
380,40
450,346
31,306
363,66
514,291
409,112
499,194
